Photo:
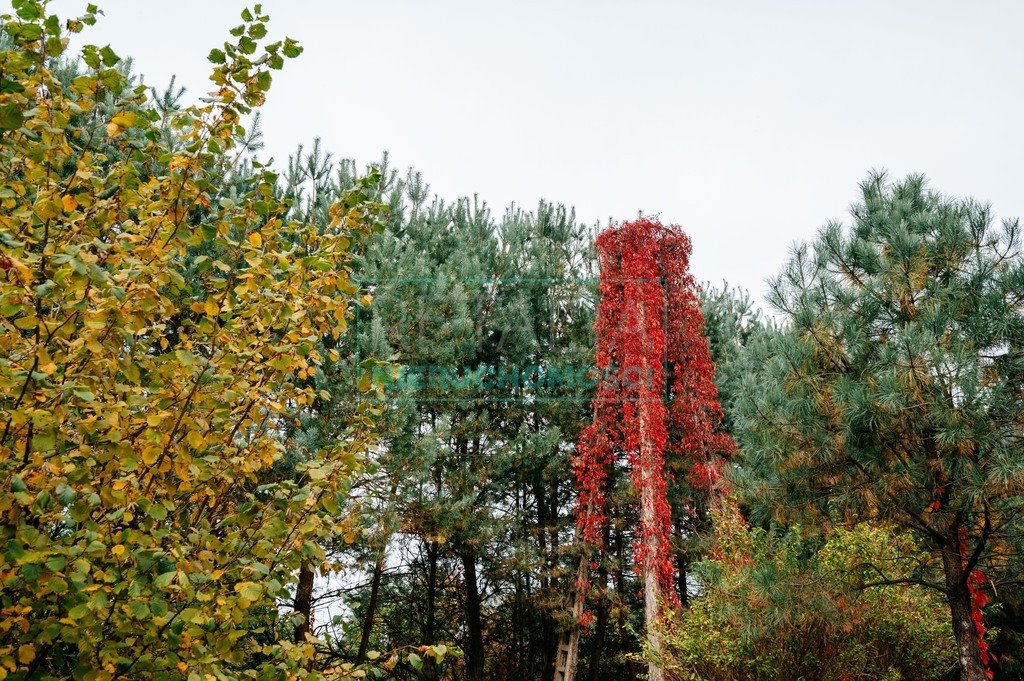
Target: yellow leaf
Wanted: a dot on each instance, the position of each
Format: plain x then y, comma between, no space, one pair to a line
124,120
216,574
113,129
255,239
210,307
149,455
118,550
69,203
26,653
195,439
47,209
48,368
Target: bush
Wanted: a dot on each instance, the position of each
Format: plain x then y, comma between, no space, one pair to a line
777,605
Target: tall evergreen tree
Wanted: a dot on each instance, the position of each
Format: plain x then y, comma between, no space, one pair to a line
894,390
485,313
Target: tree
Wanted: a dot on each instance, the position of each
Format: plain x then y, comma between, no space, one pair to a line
893,391
480,471
731,324
656,406
460,289
157,339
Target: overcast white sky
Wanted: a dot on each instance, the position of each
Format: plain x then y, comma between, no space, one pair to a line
748,123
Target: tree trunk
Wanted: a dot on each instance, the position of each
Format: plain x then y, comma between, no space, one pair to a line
681,569
304,602
549,633
959,599
619,578
594,671
568,652
648,519
474,623
601,634
430,621
681,586
371,608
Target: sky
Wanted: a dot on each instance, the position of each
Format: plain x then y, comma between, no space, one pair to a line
750,124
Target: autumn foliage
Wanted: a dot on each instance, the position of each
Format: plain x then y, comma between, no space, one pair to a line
656,397
156,337
202,475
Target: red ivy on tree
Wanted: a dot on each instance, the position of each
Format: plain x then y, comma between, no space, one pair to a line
979,599
656,378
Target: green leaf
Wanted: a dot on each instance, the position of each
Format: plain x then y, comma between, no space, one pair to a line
14,549
163,580
217,56
28,11
11,86
11,117
27,31
91,56
79,611
291,48
65,494
140,610
31,572
108,56
111,78
158,607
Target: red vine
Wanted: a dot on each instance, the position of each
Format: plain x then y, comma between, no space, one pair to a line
979,599
656,396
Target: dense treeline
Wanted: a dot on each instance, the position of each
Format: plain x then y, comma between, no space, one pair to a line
322,423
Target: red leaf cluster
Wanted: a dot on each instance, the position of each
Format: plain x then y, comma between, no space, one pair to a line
979,599
656,396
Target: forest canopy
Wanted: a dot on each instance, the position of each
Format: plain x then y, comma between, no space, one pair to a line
316,422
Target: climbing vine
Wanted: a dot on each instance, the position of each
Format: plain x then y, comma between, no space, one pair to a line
656,396
976,580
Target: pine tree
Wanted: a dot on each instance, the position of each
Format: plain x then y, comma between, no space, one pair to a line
893,391
480,474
